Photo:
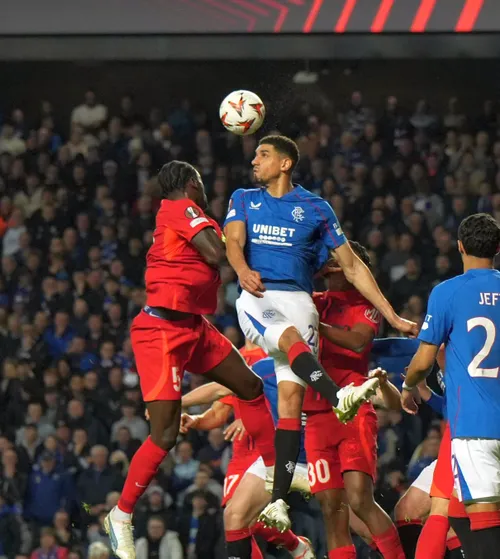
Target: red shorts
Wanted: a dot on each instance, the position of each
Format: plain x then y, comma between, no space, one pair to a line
164,349
443,481
333,448
235,472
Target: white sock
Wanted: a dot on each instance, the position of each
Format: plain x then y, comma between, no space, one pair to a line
299,550
118,514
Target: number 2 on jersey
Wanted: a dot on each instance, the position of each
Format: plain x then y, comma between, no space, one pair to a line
474,368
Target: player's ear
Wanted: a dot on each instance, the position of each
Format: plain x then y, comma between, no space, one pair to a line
286,164
460,246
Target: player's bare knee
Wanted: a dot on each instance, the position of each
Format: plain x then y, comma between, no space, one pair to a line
330,508
165,438
290,398
250,389
289,337
360,501
235,517
402,508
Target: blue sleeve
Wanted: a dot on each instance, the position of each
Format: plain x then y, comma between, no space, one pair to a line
436,402
330,231
236,209
436,326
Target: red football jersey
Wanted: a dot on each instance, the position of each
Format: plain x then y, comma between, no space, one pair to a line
243,449
343,309
251,356
177,277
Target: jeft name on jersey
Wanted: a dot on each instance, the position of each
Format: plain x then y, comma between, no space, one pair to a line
489,299
272,235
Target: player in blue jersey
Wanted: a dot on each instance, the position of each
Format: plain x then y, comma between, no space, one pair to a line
464,314
275,237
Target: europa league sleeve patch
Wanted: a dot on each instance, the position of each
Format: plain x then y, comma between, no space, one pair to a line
192,212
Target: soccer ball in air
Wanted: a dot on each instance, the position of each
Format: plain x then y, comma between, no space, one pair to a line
242,112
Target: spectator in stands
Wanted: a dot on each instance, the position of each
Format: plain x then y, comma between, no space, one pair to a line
48,491
10,529
98,550
199,529
137,427
97,481
48,546
159,542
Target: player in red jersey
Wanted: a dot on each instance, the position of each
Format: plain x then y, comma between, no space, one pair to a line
342,457
244,484
170,335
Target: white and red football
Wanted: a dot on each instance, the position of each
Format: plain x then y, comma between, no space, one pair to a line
242,112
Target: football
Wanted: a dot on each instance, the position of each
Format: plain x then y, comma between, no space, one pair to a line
242,112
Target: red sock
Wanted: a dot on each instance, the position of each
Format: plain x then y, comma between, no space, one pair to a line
296,350
256,552
484,520
236,535
287,539
453,543
389,544
259,423
432,540
456,509
347,552
143,468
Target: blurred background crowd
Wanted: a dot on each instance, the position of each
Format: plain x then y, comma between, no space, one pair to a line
77,211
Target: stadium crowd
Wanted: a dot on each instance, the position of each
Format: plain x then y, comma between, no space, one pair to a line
77,211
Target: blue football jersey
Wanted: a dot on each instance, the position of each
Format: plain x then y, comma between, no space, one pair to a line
464,314
265,370
286,236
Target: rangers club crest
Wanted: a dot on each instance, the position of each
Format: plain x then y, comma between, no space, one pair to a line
298,214
191,213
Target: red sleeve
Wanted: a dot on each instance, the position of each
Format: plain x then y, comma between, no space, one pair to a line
228,400
185,218
366,313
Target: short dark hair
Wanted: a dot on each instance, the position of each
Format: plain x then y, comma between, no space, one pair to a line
283,145
174,176
361,252
480,235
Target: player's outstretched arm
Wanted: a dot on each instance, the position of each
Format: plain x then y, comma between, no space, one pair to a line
205,394
214,417
387,393
210,246
355,339
360,276
418,370
236,238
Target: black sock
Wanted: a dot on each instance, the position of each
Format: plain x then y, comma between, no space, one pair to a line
287,450
239,549
308,369
461,526
408,534
455,554
486,543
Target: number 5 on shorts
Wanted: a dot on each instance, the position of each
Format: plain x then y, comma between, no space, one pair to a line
176,379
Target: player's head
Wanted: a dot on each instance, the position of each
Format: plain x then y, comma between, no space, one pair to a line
275,156
335,276
179,179
479,236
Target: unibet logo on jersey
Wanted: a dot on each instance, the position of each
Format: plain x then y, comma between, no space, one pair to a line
272,234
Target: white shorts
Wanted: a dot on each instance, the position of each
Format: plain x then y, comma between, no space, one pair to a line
424,480
476,469
258,468
264,320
